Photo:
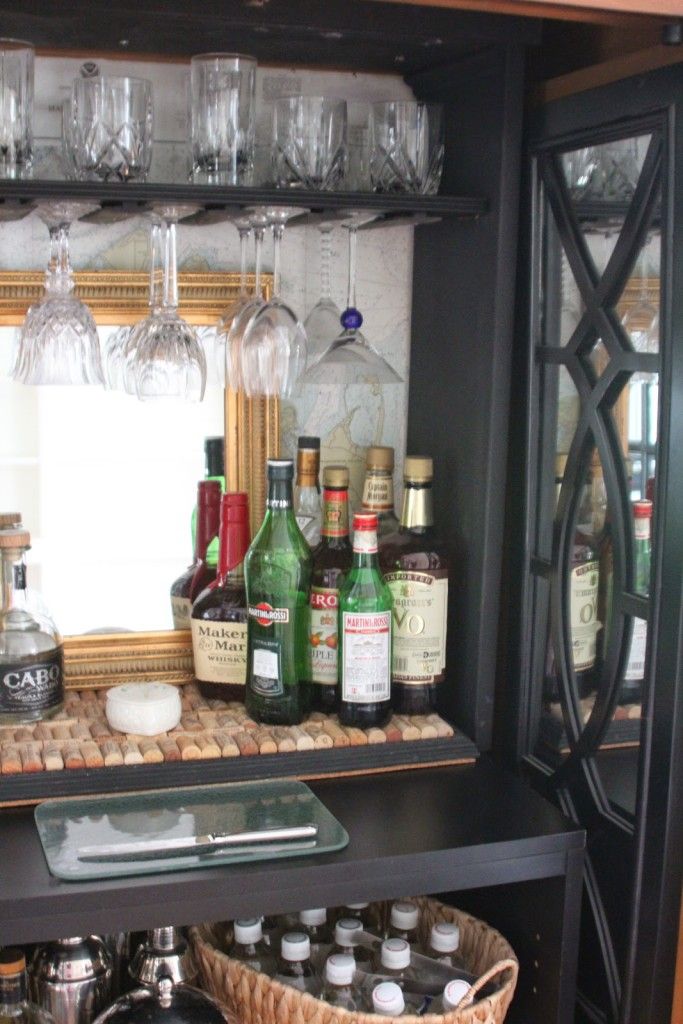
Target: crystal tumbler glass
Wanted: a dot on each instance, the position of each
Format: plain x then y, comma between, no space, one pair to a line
111,128
16,107
406,147
309,142
223,88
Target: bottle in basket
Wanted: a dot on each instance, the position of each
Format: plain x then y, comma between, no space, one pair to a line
347,941
363,912
248,946
404,921
314,924
444,940
338,987
388,1000
452,996
394,960
294,966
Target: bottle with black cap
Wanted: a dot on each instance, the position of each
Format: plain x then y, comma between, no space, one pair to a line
307,505
15,1007
278,578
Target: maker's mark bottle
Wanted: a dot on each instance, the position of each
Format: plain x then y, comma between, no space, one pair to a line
278,577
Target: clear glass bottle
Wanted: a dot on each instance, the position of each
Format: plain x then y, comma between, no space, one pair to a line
394,960
363,912
31,653
338,987
331,562
249,947
403,921
278,576
294,966
378,489
313,923
272,930
415,565
219,614
444,942
347,940
388,1000
365,607
451,997
307,504
203,569
15,1007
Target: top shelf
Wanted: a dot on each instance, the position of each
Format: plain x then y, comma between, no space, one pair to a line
116,198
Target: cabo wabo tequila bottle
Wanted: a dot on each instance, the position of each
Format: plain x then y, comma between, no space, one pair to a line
278,577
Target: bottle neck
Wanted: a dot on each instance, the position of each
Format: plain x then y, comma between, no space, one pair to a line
308,468
208,514
234,541
365,549
13,579
280,498
335,524
378,491
418,507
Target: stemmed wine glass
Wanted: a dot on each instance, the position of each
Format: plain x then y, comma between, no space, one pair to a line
351,357
58,341
235,322
322,322
274,340
227,348
165,358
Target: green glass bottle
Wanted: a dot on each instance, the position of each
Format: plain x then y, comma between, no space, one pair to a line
365,610
278,578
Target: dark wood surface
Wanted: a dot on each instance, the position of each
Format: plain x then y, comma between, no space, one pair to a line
410,833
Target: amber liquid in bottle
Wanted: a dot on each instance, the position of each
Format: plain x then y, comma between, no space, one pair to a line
415,566
219,614
378,489
331,562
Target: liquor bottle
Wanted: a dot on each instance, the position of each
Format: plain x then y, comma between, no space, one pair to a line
214,469
31,654
307,494
202,572
294,966
338,988
219,614
632,686
365,607
278,577
15,1007
331,563
415,566
378,489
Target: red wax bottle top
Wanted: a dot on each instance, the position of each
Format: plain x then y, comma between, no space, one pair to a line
234,531
642,509
365,521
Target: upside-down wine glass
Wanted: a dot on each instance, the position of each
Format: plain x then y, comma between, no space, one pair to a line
274,342
322,322
166,357
236,327
227,353
351,357
58,341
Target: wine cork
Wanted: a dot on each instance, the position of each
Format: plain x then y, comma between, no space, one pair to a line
150,750
189,751
100,730
92,754
52,757
321,739
88,696
301,738
333,729
10,761
227,744
392,732
317,716
409,731
428,731
265,741
111,752
169,748
80,731
246,743
42,732
285,741
376,735
209,719
208,746
73,758
61,732
31,761
24,735
443,729
228,722
190,723
356,736
131,752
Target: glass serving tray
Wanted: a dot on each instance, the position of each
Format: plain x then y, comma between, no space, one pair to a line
66,826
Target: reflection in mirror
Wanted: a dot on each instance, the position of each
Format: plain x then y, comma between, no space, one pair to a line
607,172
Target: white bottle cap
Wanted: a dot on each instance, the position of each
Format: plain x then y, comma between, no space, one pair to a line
395,953
295,946
248,931
318,916
356,906
404,916
347,931
339,969
387,998
444,937
454,993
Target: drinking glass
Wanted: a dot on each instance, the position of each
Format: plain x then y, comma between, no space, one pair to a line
227,360
111,128
167,359
406,146
322,323
274,339
223,89
58,342
121,361
16,107
350,357
235,322
309,142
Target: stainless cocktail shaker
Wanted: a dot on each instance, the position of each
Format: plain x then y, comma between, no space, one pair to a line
72,979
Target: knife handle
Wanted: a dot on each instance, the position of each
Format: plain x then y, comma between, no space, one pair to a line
265,835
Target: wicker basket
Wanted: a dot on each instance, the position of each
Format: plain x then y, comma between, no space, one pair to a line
257,999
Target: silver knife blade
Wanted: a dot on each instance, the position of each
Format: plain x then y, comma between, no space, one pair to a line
147,849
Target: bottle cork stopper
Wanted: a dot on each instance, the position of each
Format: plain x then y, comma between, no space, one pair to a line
9,520
379,457
12,961
335,476
419,468
15,539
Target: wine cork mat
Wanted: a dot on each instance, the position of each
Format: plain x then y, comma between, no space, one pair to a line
79,736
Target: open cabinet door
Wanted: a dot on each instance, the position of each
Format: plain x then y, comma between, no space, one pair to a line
598,705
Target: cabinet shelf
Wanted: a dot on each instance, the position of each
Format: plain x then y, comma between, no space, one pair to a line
410,832
17,197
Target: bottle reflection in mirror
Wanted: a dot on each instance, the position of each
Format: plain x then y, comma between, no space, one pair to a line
201,572
632,688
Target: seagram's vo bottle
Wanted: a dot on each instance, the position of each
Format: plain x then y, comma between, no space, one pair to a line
278,576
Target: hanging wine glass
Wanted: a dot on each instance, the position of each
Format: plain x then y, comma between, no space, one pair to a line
227,354
112,357
58,341
235,327
274,341
168,361
122,364
350,357
322,323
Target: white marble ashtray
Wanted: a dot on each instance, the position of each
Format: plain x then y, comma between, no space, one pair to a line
143,708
